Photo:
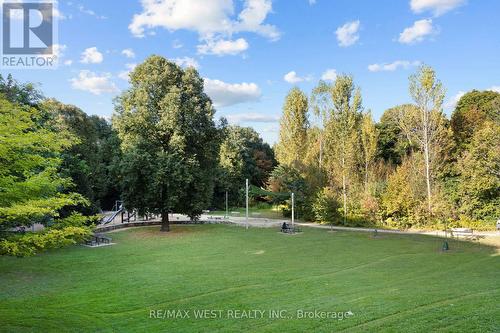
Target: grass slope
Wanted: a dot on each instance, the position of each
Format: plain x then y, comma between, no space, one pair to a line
392,283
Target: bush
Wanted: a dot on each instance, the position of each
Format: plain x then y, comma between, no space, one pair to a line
326,207
466,222
32,243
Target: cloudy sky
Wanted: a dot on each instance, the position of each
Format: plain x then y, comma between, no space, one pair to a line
251,52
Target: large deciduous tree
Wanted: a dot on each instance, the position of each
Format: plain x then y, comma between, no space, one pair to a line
31,188
424,123
91,162
165,121
341,109
294,123
243,155
369,136
479,187
472,111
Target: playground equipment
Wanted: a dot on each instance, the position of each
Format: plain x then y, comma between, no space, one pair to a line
117,209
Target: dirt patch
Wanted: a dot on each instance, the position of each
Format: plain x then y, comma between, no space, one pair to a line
154,231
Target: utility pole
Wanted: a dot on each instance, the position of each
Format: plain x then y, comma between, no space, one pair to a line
293,211
227,208
246,224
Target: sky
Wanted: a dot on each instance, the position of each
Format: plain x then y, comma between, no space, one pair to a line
252,52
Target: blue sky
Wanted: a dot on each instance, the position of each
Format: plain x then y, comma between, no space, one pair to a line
252,52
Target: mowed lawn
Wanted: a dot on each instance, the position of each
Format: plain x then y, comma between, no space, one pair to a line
390,283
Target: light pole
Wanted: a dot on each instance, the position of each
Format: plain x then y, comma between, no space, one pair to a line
227,208
293,211
246,223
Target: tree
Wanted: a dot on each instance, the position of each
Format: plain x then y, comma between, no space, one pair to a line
405,194
31,187
424,122
19,93
479,187
369,138
294,123
392,144
243,155
472,111
326,207
90,162
166,119
288,179
341,110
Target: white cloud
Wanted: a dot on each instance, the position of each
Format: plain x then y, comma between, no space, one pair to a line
129,53
437,7
213,20
124,75
225,94
90,12
495,89
452,102
329,75
186,62
392,66
251,117
292,77
312,2
417,32
348,34
58,50
94,83
58,14
252,19
91,56
223,47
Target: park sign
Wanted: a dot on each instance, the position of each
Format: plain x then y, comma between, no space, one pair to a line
29,34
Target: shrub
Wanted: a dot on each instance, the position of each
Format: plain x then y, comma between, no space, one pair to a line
32,243
326,207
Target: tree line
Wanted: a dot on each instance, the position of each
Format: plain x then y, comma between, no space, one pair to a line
163,151
415,168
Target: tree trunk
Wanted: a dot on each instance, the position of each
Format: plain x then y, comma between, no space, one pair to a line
165,222
428,178
344,189
366,176
426,146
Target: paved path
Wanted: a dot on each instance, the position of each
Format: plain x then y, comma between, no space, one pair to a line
276,223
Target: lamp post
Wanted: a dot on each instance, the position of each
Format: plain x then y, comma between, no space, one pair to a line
227,208
293,210
246,215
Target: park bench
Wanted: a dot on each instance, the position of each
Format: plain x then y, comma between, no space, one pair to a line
465,233
288,229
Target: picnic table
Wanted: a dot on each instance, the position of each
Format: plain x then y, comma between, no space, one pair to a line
465,233
97,239
289,229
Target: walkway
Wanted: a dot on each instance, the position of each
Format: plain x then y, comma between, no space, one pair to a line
260,222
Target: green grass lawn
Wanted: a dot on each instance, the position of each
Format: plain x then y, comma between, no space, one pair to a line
391,283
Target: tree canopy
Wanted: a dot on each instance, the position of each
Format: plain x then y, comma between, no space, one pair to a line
165,122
